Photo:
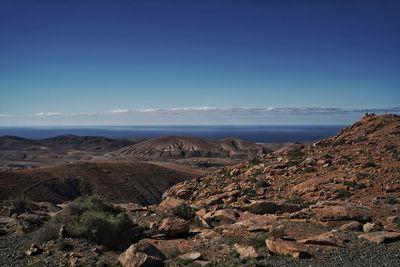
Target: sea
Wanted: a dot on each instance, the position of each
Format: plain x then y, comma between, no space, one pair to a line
255,134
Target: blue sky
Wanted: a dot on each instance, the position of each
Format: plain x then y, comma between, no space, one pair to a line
62,60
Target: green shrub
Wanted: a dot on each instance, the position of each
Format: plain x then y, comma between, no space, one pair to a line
370,164
391,200
295,153
250,192
257,241
342,193
309,169
178,262
94,219
183,211
262,183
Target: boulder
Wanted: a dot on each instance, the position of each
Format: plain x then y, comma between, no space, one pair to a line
225,216
141,254
262,207
369,227
381,237
340,213
172,227
333,238
170,203
288,248
351,226
246,252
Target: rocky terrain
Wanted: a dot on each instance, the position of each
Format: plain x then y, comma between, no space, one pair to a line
332,203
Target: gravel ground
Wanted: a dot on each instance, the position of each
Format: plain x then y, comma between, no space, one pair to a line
12,250
360,253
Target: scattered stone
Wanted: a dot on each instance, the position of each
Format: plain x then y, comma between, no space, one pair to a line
34,250
141,254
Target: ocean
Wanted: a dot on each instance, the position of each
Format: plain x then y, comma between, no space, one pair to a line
259,134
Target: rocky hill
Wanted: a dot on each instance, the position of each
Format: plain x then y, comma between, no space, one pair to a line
334,199
178,147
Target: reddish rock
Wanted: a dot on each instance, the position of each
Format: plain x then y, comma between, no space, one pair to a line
381,237
333,238
283,247
141,254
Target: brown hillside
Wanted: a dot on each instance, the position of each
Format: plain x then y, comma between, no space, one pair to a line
177,147
120,182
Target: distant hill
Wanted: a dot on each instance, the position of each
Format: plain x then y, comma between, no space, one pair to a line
178,147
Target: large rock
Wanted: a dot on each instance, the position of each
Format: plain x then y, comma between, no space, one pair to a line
224,216
262,207
172,227
340,213
246,252
141,255
288,248
381,237
170,203
333,238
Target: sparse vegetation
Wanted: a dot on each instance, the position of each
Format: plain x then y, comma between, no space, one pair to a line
342,193
173,253
261,184
178,262
95,219
370,164
299,200
309,169
257,241
391,200
295,153
250,192
339,142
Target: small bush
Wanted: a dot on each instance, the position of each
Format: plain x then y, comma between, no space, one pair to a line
183,211
370,164
309,169
262,183
339,142
258,241
178,262
19,205
295,153
342,193
173,253
94,219
250,192
327,156
362,175
49,231
391,200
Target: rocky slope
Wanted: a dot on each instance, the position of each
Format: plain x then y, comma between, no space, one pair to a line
177,147
321,201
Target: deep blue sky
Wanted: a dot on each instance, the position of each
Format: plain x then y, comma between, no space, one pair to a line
94,56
